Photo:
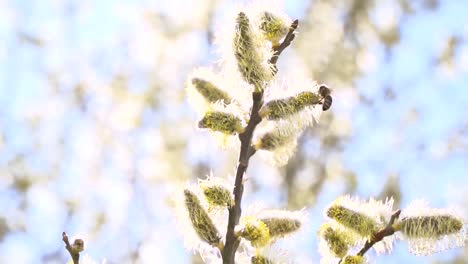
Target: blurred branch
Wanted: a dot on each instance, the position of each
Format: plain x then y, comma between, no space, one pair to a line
30,39
74,249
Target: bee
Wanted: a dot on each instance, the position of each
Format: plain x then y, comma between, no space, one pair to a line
325,92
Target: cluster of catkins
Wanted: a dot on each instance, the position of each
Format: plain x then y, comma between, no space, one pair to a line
203,219
223,98
223,95
352,222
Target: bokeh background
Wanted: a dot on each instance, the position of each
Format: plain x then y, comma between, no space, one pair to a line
95,129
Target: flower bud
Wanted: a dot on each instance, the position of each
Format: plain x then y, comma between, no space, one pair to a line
282,108
356,221
222,122
78,245
209,91
201,222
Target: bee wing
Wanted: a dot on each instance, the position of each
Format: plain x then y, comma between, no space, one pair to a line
317,112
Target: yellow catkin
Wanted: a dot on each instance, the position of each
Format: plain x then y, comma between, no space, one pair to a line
430,226
255,231
280,227
248,58
282,108
274,139
356,221
209,91
353,260
260,260
217,195
273,28
221,122
338,242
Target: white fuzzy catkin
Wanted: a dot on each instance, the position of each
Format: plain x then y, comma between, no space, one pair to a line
363,218
430,230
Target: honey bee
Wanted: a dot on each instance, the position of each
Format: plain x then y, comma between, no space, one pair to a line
325,92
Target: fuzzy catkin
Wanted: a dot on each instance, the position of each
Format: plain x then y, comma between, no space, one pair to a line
337,241
200,219
353,260
260,260
255,231
248,58
209,91
274,139
280,227
430,226
273,27
222,122
356,221
217,195
283,108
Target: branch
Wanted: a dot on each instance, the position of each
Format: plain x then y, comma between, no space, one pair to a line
73,250
379,235
247,151
286,42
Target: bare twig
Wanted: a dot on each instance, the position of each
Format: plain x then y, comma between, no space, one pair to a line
247,151
73,250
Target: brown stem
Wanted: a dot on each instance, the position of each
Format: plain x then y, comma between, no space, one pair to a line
379,235
247,151
74,254
232,242
286,42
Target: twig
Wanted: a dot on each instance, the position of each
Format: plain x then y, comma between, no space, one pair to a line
247,151
75,250
286,42
379,235
232,242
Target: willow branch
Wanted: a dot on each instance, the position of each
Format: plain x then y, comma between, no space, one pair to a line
379,235
247,151
286,42
75,255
